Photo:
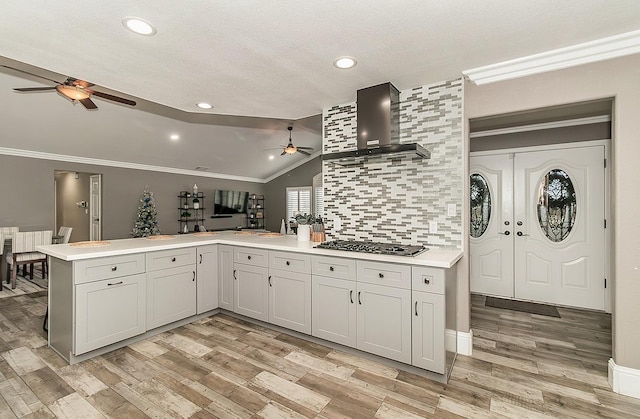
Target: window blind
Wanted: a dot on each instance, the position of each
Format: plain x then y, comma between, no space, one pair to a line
298,200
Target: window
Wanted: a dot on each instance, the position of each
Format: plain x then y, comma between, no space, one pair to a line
298,200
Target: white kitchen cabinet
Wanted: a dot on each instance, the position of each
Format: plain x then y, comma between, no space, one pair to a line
225,277
384,321
290,300
334,310
171,295
251,291
206,278
109,311
428,331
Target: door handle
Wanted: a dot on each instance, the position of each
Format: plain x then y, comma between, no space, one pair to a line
359,301
234,275
520,234
194,276
506,233
351,296
416,308
270,281
200,258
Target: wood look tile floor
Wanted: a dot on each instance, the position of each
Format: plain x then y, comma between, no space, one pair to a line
523,366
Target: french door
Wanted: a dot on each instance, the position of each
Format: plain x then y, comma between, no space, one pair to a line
537,226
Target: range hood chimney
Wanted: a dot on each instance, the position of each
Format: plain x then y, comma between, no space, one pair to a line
378,130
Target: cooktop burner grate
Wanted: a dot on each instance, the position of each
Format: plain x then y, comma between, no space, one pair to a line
372,247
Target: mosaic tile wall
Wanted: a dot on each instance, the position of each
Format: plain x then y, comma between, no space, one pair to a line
393,199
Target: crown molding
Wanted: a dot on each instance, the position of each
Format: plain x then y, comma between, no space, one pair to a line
544,125
123,165
601,49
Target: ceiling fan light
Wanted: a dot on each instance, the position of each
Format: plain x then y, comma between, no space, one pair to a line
72,92
291,150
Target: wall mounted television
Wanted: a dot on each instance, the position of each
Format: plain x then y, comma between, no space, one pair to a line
229,202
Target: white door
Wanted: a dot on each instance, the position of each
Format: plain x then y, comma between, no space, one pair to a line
540,234
491,241
251,291
290,300
207,278
560,233
334,310
95,208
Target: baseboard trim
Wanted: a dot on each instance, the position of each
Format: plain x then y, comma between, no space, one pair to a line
624,380
465,343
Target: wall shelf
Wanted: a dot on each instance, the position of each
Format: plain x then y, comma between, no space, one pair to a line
190,211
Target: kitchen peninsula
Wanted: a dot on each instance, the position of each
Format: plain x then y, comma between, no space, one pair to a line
109,294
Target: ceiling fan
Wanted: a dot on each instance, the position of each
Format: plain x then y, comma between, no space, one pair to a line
73,89
291,149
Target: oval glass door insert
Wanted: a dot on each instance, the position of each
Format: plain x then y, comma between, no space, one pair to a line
556,205
480,205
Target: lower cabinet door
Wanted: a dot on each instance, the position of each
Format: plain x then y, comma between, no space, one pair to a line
225,277
384,321
428,331
251,291
109,311
171,295
290,300
207,278
334,310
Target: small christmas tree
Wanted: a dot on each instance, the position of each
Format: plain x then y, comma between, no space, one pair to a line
147,221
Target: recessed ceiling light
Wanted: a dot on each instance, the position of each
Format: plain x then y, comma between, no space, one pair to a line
204,105
139,26
345,62
271,157
174,137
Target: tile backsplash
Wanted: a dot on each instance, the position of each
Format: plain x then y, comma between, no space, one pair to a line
395,199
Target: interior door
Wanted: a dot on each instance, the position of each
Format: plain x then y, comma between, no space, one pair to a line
95,208
491,242
559,250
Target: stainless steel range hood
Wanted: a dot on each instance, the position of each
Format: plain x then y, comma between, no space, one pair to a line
378,130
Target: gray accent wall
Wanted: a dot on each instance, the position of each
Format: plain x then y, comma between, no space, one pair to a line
275,191
393,199
28,195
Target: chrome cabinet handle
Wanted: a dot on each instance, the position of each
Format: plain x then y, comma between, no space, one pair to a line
506,233
380,275
520,234
359,301
114,268
234,275
249,257
194,276
173,259
270,281
288,263
115,283
416,309
351,296
331,268
200,258
427,281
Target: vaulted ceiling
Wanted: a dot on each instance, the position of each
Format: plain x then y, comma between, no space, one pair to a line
263,65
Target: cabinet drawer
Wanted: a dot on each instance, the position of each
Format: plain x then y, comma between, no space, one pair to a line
333,267
428,279
164,259
250,256
292,262
109,267
387,274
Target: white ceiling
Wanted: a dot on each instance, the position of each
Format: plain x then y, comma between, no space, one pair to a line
266,63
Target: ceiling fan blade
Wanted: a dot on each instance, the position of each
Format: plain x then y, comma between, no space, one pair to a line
114,98
305,148
31,74
88,103
283,153
303,152
34,89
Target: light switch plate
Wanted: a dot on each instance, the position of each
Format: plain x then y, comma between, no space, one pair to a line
451,210
433,227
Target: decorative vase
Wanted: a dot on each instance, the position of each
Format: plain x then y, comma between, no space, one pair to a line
283,227
304,232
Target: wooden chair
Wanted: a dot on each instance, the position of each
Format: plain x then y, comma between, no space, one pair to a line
23,252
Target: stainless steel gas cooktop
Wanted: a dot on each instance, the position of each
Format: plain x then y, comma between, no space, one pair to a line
372,247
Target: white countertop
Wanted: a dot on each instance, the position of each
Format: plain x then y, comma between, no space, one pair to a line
436,257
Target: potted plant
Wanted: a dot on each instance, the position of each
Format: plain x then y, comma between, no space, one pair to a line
304,226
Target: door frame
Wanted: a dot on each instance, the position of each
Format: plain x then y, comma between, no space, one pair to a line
608,232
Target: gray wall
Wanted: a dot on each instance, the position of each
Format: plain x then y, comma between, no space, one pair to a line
275,191
27,189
